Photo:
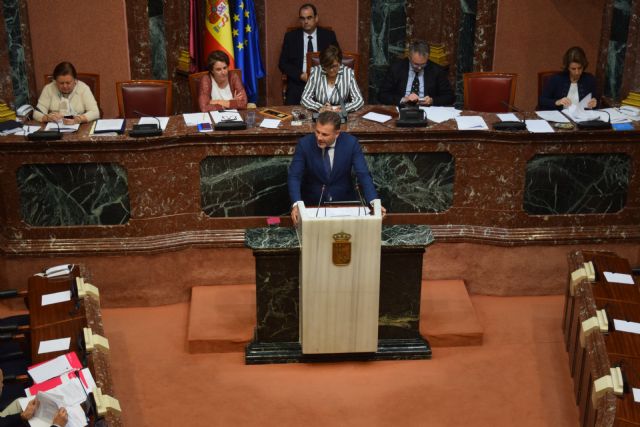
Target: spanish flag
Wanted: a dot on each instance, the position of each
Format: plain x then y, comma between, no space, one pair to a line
218,29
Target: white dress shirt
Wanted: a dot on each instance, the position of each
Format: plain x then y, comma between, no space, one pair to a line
314,41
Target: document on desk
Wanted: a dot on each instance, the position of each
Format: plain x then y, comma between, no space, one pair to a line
553,116
441,114
62,127
471,123
49,403
54,298
270,123
226,116
51,346
508,117
636,395
52,368
152,121
538,126
625,279
347,211
624,326
377,117
615,115
108,126
192,119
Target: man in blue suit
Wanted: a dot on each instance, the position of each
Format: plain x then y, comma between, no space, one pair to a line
322,164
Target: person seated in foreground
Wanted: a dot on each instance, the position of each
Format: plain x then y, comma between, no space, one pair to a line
321,167
416,80
332,84
220,90
571,85
66,99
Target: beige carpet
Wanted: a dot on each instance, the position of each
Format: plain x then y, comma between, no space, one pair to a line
518,377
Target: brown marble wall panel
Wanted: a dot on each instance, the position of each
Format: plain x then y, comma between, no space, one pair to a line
484,42
25,30
364,45
631,76
533,35
6,86
176,21
139,43
603,47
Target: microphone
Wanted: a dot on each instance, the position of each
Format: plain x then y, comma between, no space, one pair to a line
45,135
510,125
321,194
364,206
146,129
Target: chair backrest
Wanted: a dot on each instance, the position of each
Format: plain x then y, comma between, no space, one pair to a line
349,59
487,92
543,78
147,97
90,79
194,86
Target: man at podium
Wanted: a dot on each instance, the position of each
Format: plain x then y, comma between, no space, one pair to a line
321,167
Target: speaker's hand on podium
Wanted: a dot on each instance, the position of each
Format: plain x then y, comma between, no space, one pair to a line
295,215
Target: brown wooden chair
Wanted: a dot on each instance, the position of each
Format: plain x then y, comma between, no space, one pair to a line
90,79
349,59
543,78
137,98
194,86
488,92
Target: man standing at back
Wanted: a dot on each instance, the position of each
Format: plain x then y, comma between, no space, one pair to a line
293,57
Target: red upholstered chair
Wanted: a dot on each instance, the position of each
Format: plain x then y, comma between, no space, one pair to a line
148,97
543,78
194,86
486,92
349,59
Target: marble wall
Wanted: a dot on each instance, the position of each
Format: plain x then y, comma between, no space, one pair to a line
614,69
158,40
16,52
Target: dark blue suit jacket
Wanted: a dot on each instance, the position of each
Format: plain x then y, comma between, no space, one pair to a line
557,87
307,174
436,84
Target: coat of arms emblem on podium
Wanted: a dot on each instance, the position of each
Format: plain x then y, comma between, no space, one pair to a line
341,248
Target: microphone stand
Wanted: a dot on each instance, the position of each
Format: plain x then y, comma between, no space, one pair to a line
146,129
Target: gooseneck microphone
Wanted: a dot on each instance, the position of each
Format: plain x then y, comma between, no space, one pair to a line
146,130
45,135
364,206
321,195
510,125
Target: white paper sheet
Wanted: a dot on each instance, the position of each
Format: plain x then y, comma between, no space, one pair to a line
49,404
270,123
624,326
441,114
51,346
152,121
339,212
50,369
63,128
57,268
377,117
538,126
226,116
48,299
508,117
471,123
636,395
625,279
108,125
553,116
192,119
615,115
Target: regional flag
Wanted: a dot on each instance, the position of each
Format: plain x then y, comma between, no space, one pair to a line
246,47
218,29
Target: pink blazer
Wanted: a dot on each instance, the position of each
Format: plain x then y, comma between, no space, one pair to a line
235,82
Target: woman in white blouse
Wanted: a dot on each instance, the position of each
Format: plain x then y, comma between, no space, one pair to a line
331,84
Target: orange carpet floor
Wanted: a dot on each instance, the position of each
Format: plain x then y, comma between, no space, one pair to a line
518,377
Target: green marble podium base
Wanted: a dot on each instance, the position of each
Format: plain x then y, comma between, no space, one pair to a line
257,353
276,338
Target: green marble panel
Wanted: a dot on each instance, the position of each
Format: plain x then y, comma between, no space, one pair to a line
55,195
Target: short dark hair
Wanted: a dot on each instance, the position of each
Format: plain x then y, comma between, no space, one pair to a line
65,69
308,6
420,47
217,56
577,55
329,55
327,117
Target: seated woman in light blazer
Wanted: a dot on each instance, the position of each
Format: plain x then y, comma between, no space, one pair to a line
332,83
220,90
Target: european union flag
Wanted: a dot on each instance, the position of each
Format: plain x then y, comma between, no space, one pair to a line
246,47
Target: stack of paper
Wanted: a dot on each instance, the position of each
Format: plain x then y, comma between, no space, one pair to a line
441,114
471,123
270,123
6,113
553,116
438,55
226,116
377,117
62,127
632,99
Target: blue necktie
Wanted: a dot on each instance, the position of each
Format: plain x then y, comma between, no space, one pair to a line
327,161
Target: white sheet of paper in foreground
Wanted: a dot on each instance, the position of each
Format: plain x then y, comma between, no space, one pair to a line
192,119
441,114
51,346
376,117
62,127
553,116
625,279
508,117
538,126
624,326
48,299
270,123
51,368
471,123
152,121
636,395
347,211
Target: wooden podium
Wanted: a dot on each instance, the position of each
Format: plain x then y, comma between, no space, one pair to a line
339,279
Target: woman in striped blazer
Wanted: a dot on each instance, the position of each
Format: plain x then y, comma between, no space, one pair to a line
331,83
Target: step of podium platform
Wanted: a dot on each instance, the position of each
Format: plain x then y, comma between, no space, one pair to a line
447,316
222,318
